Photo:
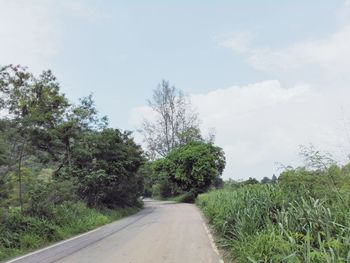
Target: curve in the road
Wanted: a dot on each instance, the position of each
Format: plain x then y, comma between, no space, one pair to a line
161,232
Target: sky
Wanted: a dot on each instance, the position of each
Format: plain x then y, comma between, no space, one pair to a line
268,76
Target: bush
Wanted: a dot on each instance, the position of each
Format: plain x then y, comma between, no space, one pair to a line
188,197
165,189
45,195
13,230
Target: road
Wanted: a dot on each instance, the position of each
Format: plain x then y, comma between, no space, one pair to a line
161,232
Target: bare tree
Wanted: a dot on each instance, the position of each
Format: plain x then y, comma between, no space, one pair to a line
175,119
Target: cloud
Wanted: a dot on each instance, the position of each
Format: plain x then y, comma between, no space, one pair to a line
81,9
330,55
30,35
239,42
32,30
326,58
263,123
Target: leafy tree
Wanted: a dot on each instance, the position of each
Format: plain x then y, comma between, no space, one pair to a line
106,164
3,152
4,191
251,181
192,134
42,128
274,178
35,108
85,115
146,173
175,124
194,166
80,119
265,180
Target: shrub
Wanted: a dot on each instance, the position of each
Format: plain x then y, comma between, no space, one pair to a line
188,197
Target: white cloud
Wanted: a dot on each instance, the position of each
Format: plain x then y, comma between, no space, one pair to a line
330,55
239,42
32,30
30,34
326,58
81,9
263,123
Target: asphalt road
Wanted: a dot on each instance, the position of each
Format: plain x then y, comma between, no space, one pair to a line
161,232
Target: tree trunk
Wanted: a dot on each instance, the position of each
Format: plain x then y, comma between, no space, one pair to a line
20,176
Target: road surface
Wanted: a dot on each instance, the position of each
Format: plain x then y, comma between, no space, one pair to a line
161,232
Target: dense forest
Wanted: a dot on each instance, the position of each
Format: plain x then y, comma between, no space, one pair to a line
64,171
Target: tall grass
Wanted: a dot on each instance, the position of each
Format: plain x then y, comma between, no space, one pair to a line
271,223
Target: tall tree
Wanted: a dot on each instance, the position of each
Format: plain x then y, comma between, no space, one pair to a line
106,164
173,119
35,108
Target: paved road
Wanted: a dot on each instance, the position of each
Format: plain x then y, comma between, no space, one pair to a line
162,232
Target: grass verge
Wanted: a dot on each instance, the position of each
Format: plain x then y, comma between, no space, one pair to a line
20,234
267,223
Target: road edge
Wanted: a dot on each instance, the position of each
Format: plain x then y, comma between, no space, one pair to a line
58,243
210,235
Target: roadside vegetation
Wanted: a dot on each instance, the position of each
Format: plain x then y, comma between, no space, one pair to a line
303,216
62,170
22,233
182,163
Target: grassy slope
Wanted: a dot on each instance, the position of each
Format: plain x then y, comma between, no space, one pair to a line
264,223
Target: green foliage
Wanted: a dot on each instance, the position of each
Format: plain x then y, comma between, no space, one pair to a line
44,196
302,218
106,165
3,152
57,160
188,197
145,173
192,167
71,140
192,134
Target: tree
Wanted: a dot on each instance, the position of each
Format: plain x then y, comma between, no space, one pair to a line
80,119
106,164
175,122
84,159
274,178
3,152
195,166
266,180
250,181
35,107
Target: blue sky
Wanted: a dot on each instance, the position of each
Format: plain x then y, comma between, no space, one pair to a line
270,66
123,53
